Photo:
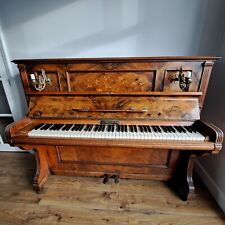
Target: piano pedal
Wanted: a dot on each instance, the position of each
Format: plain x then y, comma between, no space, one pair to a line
105,178
116,178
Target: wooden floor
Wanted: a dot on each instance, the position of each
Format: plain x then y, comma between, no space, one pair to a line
71,200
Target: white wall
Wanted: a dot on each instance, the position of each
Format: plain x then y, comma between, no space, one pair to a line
98,28
101,28
212,168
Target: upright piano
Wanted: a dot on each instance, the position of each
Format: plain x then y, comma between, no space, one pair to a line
116,118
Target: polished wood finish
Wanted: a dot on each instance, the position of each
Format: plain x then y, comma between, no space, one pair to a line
117,107
138,91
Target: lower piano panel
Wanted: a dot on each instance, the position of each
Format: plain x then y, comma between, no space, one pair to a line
127,162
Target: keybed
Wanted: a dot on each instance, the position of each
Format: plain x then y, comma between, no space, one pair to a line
136,132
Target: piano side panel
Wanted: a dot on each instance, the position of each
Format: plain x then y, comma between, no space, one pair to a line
117,107
128,162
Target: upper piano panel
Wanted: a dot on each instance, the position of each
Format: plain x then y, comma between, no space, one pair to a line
116,76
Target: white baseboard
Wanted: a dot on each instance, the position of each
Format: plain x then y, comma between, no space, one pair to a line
8,148
213,188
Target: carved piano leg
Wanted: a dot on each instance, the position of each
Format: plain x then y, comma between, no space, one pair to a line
42,170
182,182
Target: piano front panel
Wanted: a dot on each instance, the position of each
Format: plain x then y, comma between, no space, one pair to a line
128,162
116,107
114,76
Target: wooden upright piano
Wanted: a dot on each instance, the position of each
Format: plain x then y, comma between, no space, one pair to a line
116,118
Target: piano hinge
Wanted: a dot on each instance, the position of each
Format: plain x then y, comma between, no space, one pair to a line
109,122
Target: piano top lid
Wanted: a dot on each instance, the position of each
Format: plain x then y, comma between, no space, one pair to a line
118,59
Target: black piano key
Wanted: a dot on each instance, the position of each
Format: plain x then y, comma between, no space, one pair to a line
122,128
43,127
159,129
117,128
139,129
155,129
145,129
178,129
74,127
103,128
58,126
69,126
164,129
81,127
193,129
182,129
135,128
99,128
46,126
131,128
65,127
113,128
125,127
172,129
53,127
96,127
38,126
149,129
188,128
91,127
78,127
87,127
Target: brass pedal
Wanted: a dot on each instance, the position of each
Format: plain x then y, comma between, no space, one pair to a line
105,178
116,178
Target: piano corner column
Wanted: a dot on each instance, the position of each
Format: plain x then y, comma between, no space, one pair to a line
42,169
182,182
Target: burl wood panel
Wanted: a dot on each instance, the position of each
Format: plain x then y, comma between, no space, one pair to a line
123,107
111,82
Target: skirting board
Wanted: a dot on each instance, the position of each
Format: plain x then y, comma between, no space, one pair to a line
8,148
213,188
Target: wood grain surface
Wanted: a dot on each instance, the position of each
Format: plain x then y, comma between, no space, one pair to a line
86,201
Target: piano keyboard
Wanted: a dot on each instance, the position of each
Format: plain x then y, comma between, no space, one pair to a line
117,132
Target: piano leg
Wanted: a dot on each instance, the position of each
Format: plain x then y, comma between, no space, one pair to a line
182,182
42,169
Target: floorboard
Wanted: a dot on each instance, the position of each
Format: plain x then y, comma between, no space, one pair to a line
75,200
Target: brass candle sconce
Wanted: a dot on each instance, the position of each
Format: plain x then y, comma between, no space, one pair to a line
183,79
39,81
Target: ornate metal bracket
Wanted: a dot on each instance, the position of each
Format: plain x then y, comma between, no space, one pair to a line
184,80
39,81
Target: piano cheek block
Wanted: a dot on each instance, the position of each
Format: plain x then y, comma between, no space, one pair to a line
117,118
